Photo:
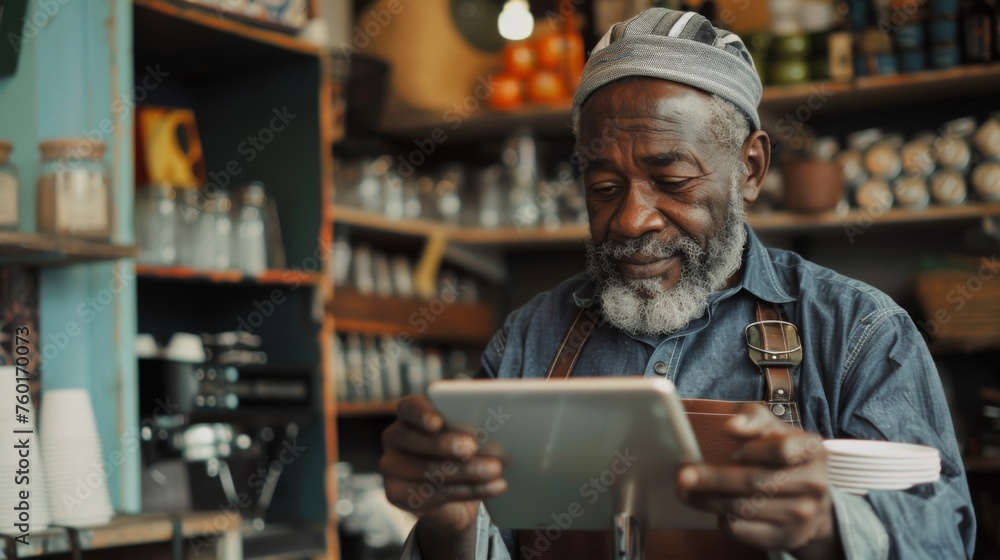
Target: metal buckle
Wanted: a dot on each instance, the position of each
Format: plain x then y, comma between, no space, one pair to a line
769,358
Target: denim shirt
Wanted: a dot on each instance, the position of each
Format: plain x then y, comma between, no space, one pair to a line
866,373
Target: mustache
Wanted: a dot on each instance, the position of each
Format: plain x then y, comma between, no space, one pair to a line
647,245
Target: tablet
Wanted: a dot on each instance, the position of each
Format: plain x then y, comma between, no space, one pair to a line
577,452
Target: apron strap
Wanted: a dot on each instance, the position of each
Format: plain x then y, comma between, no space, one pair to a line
572,345
774,345
775,348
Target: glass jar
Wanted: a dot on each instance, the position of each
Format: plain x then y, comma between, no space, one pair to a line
214,233
251,232
188,214
74,189
157,218
9,188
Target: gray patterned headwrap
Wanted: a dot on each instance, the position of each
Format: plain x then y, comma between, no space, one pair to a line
677,46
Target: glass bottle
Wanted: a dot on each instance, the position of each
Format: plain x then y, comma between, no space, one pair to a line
369,185
9,189
157,219
521,160
251,232
491,207
449,194
74,189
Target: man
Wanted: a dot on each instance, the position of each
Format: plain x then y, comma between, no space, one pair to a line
671,150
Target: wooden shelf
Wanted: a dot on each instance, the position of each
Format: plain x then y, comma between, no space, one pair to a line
421,320
573,234
347,409
192,41
42,249
787,221
863,92
270,277
129,530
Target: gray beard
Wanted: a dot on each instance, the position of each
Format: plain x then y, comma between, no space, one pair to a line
644,307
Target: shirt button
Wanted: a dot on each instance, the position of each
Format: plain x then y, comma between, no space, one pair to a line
660,368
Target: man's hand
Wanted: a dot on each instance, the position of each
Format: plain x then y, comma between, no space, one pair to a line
437,475
774,495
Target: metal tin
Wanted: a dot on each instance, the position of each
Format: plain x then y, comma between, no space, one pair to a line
948,188
986,181
963,127
918,156
826,148
911,192
863,139
852,162
952,152
883,160
874,196
987,137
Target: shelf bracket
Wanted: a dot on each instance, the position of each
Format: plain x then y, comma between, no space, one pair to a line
429,265
488,263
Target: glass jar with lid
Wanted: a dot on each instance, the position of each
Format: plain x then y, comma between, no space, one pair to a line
74,189
9,188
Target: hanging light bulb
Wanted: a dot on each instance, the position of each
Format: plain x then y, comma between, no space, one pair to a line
515,21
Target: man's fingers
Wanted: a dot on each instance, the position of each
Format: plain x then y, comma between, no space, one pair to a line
418,412
747,480
777,509
478,470
418,497
444,445
754,420
781,449
761,534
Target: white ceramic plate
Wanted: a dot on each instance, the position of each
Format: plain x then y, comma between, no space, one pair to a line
875,474
887,486
884,464
879,449
881,484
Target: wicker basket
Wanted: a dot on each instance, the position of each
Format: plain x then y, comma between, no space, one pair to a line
961,306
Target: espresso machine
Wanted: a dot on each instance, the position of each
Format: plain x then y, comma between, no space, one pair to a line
218,436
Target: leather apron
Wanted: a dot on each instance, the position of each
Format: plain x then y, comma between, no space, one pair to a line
775,347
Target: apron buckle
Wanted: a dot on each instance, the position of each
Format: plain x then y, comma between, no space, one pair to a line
763,357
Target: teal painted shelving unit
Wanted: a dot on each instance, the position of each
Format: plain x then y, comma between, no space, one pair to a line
82,73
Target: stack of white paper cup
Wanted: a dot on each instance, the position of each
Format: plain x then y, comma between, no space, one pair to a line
75,467
22,486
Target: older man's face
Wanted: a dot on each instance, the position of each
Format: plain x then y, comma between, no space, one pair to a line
665,196
661,177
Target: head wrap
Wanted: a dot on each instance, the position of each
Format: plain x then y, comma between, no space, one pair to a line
681,47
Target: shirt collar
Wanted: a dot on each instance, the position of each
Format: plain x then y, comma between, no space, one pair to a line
759,277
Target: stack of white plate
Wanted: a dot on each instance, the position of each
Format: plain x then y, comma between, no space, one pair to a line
858,466
71,447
